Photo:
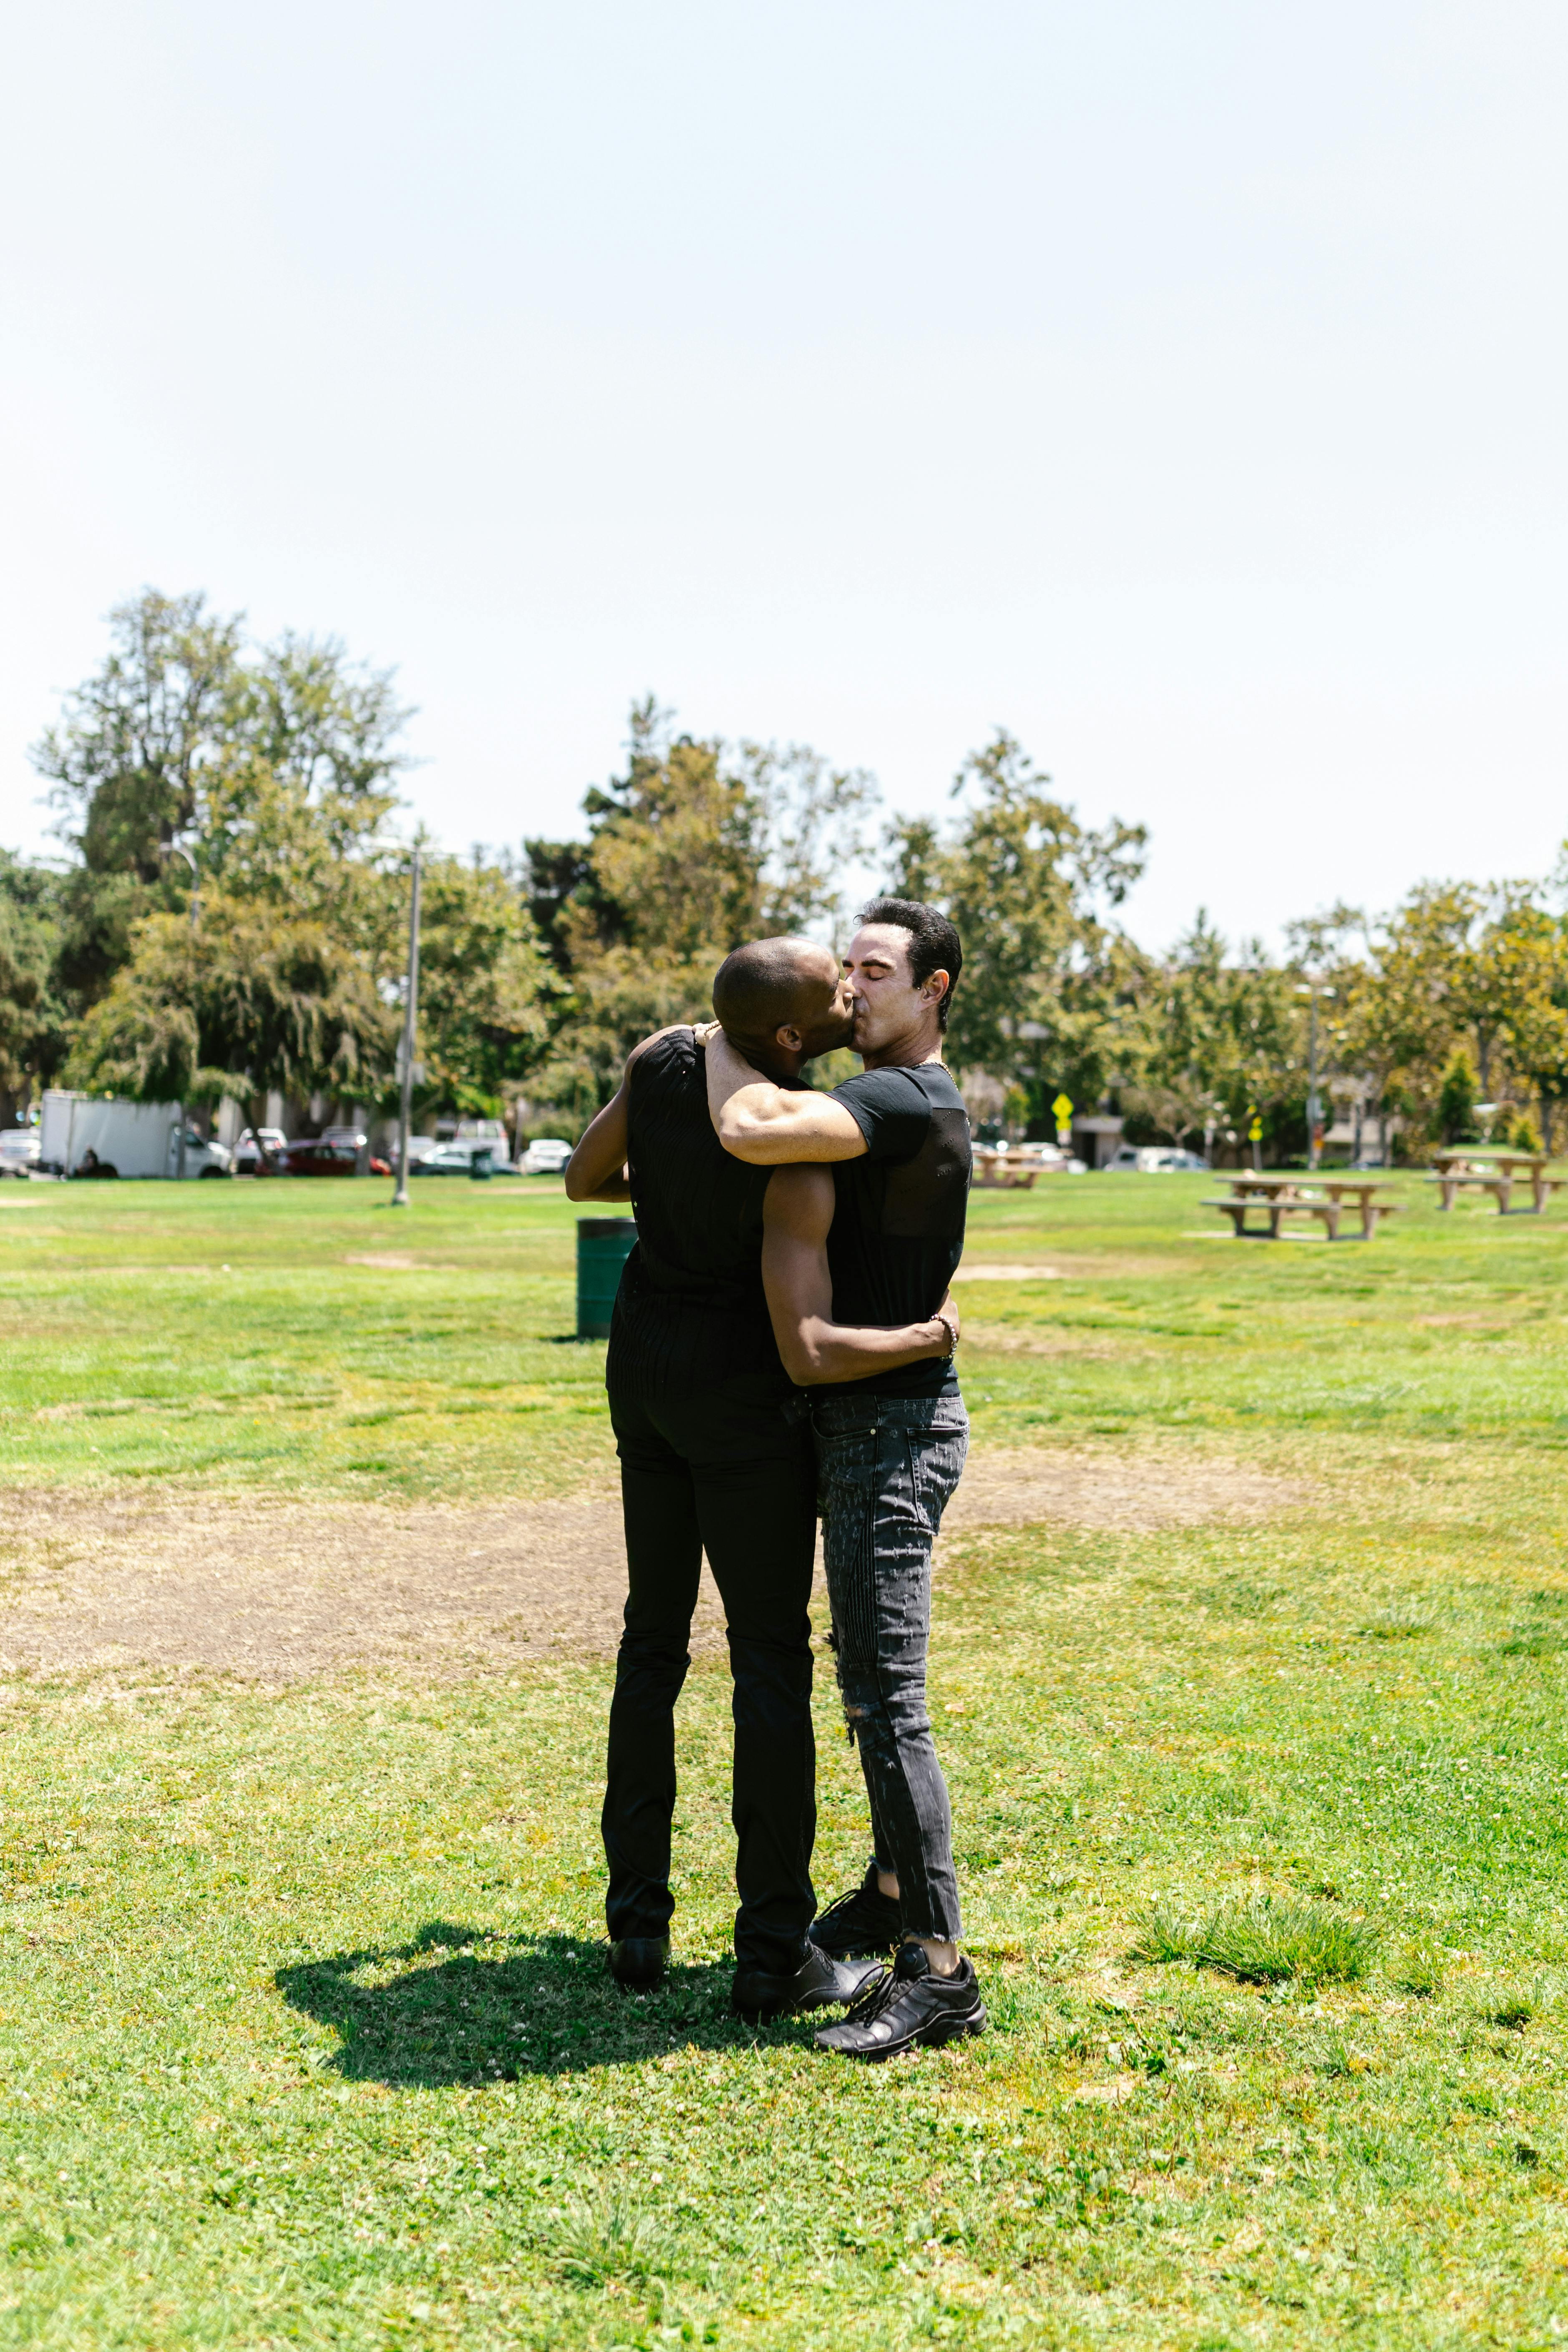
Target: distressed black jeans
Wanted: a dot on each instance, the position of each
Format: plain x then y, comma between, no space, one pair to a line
730,1472
886,1468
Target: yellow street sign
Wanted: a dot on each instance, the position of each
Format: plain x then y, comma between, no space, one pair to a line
1255,1133
1062,1109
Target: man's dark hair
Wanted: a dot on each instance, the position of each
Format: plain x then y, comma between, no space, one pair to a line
760,987
933,943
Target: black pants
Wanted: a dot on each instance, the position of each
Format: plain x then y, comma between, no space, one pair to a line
722,1471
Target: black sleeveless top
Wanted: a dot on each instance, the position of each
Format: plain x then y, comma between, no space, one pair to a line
690,1312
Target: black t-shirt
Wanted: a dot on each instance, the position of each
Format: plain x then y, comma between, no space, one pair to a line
690,1312
897,1221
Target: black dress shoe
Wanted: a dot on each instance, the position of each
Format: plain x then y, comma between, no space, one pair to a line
911,2006
637,1962
862,1924
819,1982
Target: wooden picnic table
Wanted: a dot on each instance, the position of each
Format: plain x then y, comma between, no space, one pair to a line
1014,1171
1325,1196
1479,1169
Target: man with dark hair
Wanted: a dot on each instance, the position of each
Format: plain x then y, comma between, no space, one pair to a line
874,1236
932,943
710,1460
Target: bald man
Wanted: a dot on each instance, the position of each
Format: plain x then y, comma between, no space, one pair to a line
712,1461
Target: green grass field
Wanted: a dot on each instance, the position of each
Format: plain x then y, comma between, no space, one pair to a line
305,2037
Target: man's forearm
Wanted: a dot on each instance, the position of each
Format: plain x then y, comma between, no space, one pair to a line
821,1350
772,1126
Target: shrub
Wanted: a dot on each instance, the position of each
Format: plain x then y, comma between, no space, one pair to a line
1457,1100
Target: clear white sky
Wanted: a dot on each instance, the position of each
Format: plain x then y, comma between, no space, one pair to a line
1181,386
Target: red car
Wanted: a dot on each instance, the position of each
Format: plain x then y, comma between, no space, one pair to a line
325,1155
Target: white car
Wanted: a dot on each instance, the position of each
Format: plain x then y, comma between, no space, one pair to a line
1155,1159
547,1156
456,1159
19,1148
1052,1160
257,1148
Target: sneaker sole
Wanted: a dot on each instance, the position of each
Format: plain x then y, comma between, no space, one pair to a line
930,2037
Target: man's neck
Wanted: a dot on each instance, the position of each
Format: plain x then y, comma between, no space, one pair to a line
908,1052
775,1061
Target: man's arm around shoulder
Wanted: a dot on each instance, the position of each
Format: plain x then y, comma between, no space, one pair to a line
769,1125
798,1213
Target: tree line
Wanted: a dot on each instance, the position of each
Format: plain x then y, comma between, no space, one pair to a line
228,914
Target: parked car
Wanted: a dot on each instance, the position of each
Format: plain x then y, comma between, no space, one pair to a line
256,1152
546,1156
19,1148
1050,1156
1155,1159
420,1147
450,1160
318,1155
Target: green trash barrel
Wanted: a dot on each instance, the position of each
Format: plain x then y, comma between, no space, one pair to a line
604,1246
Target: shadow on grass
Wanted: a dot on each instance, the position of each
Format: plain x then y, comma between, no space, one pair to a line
461,2005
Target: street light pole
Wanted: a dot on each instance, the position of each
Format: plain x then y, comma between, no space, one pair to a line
406,1050
174,849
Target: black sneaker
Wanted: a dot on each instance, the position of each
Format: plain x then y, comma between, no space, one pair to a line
637,1962
819,1982
860,1926
908,2005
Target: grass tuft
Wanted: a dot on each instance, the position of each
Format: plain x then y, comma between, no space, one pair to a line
1163,1934
1417,1968
1406,1621
1265,1941
607,2236
1511,2011
1532,1641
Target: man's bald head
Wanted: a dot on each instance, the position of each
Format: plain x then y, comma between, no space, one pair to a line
771,985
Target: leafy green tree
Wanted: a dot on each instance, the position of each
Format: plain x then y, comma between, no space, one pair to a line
486,990
1403,1012
1217,1039
1526,951
188,745
33,1027
250,1001
1459,968
693,850
1050,988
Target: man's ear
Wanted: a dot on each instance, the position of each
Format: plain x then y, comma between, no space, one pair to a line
789,1037
937,980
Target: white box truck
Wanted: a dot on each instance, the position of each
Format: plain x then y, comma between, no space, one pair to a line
134,1138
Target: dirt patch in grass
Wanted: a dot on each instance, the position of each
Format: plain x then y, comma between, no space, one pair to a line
272,1593
977,1270
1098,1486
1009,1339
